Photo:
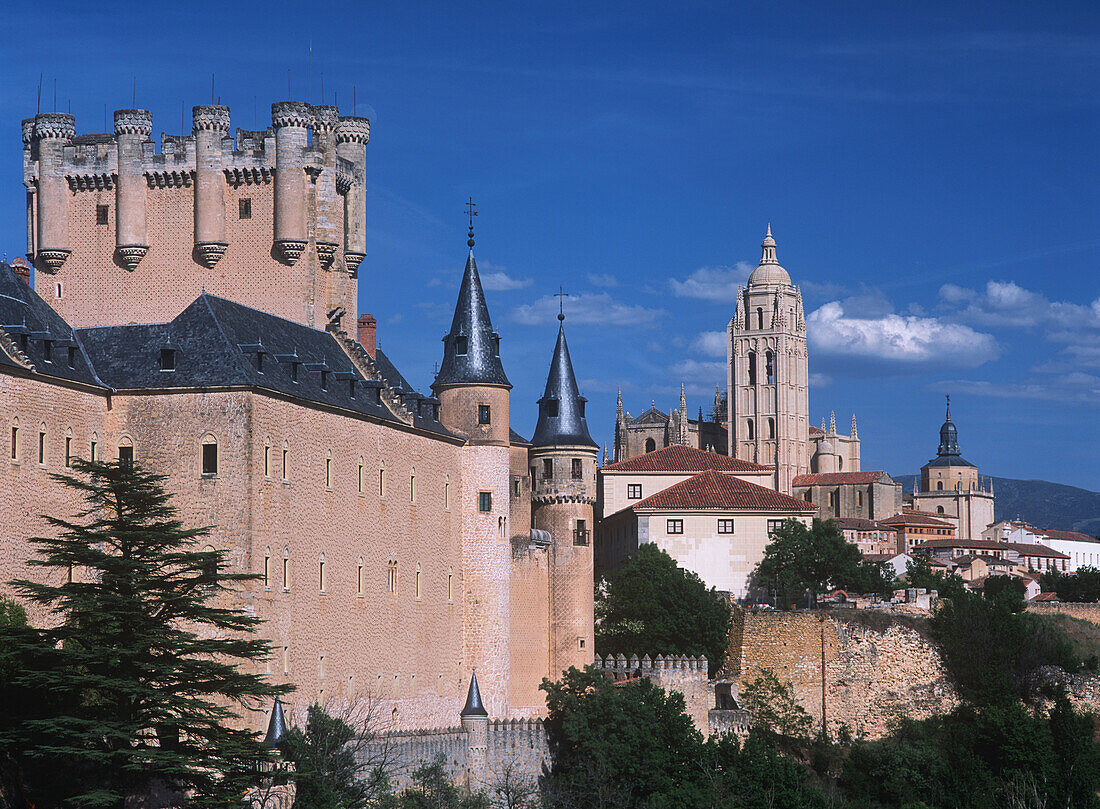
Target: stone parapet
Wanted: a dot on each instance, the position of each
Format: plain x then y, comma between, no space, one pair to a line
133,122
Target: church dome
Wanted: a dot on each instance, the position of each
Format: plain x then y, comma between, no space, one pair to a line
768,272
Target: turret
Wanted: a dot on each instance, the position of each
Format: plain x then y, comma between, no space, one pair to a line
132,130
210,124
563,456
352,136
53,131
330,216
475,721
291,120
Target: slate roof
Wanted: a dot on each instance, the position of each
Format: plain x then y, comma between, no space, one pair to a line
480,364
515,438
680,458
713,490
561,420
917,518
40,332
860,524
839,478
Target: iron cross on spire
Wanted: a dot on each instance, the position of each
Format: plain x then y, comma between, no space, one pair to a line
561,295
470,212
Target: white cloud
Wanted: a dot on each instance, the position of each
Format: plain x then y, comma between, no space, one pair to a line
500,281
703,371
600,308
819,380
898,339
603,280
711,343
712,283
1076,387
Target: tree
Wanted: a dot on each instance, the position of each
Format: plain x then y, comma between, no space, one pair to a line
919,573
813,560
142,670
1006,590
1083,585
774,708
340,760
652,606
432,789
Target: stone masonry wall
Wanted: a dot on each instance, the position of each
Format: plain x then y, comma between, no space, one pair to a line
871,677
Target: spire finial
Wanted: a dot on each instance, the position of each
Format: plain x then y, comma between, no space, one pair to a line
769,229
471,213
948,407
561,295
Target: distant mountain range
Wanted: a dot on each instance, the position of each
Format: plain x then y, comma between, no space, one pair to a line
1039,502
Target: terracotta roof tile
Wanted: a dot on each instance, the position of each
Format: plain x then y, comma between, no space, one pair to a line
982,544
679,458
838,478
917,518
1036,551
715,490
1073,536
816,430
860,524
1046,597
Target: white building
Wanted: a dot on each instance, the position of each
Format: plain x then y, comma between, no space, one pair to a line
1082,550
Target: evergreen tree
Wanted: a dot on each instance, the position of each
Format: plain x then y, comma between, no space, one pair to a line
142,668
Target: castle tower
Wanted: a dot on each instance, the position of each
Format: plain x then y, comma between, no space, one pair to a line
132,131
210,127
53,131
563,456
767,377
949,485
352,136
473,391
290,119
475,721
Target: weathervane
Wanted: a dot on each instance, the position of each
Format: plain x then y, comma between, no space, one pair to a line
470,205
561,295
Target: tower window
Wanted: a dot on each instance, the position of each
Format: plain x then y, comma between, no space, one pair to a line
650,445
484,501
484,414
101,214
244,208
324,380
462,344
496,345
68,451
760,318
14,443
286,455
210,457
580,533
294,372
576,469
771,428
72,357
167,359
547,468
751,430
552,408
770,367
47,350
126,455
752,367
42,447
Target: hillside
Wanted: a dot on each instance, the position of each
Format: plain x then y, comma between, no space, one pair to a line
1041,503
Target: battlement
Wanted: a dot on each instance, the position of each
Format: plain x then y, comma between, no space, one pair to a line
293,191
646,663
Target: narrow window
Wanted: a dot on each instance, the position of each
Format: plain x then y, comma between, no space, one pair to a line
328,473
547,468
939,485
485,501
286,569
461,344
580,533
771,428
483,414
324,380
244,208
760,318
59,290
447,496
267,461
412,487
286,452
359,577
382,480
210,457
286,660
751,430
359,478
769,360
294,372
167,359
321,668
267,568
92,454
321,573
417,582
14,443
101,214
72,357
634,491
576,470
496,345
580,405
450,587
552,408
68,451
859,498
675,526
47,350
752,367
42,447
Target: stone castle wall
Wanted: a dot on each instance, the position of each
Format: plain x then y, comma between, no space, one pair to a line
1085,612
871,676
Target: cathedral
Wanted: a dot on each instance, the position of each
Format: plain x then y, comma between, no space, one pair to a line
190,311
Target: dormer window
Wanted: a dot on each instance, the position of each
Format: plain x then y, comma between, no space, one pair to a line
496,345
435,412
351,388
259,362
47,350
167,359
484,414
72,357
580,405
462,344
324,379
552,408
294,372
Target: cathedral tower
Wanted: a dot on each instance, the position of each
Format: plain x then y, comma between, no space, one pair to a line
563,459
473,392
767,376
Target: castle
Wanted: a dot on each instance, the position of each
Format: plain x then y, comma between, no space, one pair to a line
190,312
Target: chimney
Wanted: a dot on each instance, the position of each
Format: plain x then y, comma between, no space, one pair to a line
368,331
21,268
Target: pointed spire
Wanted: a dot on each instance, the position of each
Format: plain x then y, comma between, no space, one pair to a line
768,272
561,409
822,424
604,453
739,316
471,350
276,727
799,312
832,422
767,253
855,431
619,406
473,706
949,435
683,401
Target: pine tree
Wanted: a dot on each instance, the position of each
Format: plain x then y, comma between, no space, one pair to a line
143,669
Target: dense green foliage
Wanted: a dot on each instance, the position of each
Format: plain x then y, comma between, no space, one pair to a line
632,745
431,789
802,563
774,708
652,606
135,690
919,573
1084,585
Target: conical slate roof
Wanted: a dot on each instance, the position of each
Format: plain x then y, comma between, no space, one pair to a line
561,409
948,453
276,728
471,351
473,706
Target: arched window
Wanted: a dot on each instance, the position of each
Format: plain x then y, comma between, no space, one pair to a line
286,569
328,470
209,455
650,445
359,476
416,584
939,509
957,486
42,444
771,428
939,485
92,453
321,573
769,360
267,456
391,577
450,586
751,429
412,485
839,463
125,450
286,457
382,479
69,447
359,577
446,492
752,367
760,318
859,498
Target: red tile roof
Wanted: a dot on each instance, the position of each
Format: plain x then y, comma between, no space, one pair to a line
679,458
816,430
907,517
860,524
1046,597
986,544
1037,551
1073,536
837,478
715,490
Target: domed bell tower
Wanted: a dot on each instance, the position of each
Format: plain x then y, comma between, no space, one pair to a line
563,471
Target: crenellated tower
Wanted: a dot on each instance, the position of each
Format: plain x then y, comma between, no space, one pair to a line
121,232
767,377
563,462
473,392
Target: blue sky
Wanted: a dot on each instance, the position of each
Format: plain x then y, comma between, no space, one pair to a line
930,174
